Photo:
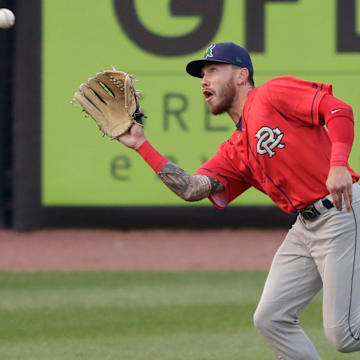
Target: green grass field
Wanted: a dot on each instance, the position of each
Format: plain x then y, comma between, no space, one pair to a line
138,315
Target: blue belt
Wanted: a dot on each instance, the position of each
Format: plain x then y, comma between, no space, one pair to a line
311,212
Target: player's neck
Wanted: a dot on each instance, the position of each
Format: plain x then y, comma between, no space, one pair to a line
235,112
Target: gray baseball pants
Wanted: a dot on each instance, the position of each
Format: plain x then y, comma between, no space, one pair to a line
319,253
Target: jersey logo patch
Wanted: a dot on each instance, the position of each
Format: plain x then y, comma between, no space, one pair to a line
335,111
269,139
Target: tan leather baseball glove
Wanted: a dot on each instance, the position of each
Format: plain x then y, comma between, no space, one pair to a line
112,101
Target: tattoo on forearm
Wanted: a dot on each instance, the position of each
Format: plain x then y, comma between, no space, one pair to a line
175,178
216,186
189,187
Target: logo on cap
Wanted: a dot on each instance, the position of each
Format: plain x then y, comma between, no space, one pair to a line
209,51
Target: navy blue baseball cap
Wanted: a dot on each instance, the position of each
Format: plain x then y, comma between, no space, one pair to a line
224,52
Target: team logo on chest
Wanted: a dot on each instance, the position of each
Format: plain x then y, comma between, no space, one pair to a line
269,139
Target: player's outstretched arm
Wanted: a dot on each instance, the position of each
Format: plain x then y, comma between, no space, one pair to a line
188,187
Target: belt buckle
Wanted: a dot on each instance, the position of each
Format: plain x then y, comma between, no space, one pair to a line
309,213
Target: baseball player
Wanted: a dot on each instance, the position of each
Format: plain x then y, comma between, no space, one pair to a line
281,147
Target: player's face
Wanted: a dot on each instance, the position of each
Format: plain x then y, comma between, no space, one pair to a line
218,87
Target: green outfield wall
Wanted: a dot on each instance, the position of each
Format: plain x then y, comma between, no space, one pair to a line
77,168
83,37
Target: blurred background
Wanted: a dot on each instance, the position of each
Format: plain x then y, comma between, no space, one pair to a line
56,169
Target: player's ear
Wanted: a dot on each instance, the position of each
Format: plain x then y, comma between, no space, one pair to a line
244,74
241,75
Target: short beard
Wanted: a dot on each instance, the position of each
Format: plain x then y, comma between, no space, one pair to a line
227,98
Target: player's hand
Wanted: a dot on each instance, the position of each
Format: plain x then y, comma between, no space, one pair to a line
339,184
134,138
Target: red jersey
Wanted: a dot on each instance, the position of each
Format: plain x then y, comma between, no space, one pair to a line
279,147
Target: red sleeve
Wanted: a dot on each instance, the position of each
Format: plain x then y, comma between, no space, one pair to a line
220,169
339,119
298,99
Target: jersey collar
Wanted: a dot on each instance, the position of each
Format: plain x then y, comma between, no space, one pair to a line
239,123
